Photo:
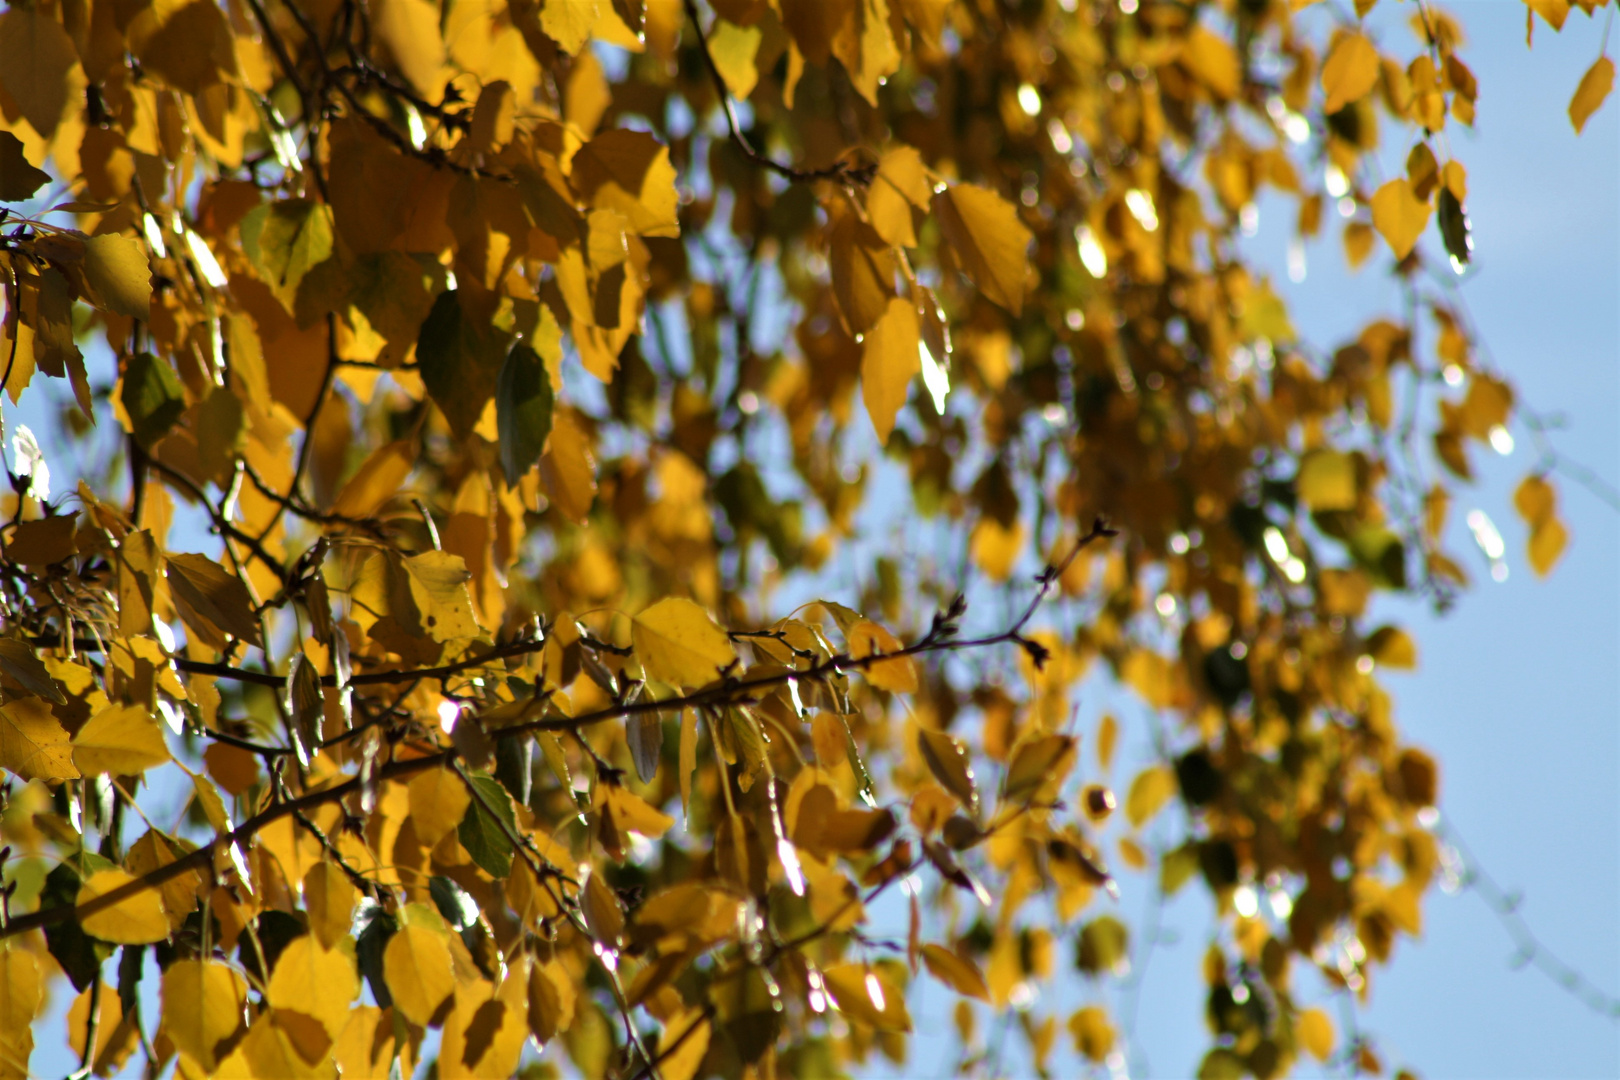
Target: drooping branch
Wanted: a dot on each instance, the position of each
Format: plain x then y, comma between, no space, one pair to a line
726,691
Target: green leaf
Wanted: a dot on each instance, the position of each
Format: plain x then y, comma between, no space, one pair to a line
18,179
481,833
285,241
459,354
523,403
152,398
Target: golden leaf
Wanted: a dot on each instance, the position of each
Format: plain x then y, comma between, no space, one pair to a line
1392,647
863,268
1038,766
32,743
551,1000
38,66
416,968
138,919
566,468
1093,1034
122,740
211,601
202,1007
1213,61
21,994
1350,72
1400,215
678,643
683,1043
889,358
329,898
1594,88
1151,789
989,241
897,676
954,971
947,758
438,802
629,171
1547,542
1316,1033
899,191
734,48
864,993
117,270
377,479
317,981
996,547
569,22
1327,480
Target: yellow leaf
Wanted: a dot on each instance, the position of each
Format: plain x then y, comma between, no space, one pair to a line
960,975
1594,88
1211,58
438,583
134,920
683,1043
202,1007
416,968
1392,647
32,743
863,268
569,22
117,270
1316,1033
319,982
377,479
485,1031
567,470
1327,480
1350,72
1547,542
863,993
120,740
899,190
1149,674
20,999
1038,765
551,1000
438,801
1107,736
37,66
1149,792
889,358
996,547
213,806
1535,500
631,813
211,601
329,899
629,171
988,240
1399,215
734,48
1554,11
678,643
947,758
898,676
1093,1034
410,28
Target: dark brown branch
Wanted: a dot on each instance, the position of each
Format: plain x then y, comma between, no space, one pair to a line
840,170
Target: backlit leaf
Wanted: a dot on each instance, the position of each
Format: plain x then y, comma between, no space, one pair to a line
438,801
952,970
137,919
152,397
484,828
211,601
285,241
317,981
988,240
569,22
117,270
416,967
33,743
377,479
898,194
1151,789
523,400
1399,215
122,740
18,178
1316,1033
947,758
1591,93
889,358
1350,72
677,642
202,1007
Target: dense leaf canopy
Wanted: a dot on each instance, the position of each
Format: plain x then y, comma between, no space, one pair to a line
501,584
